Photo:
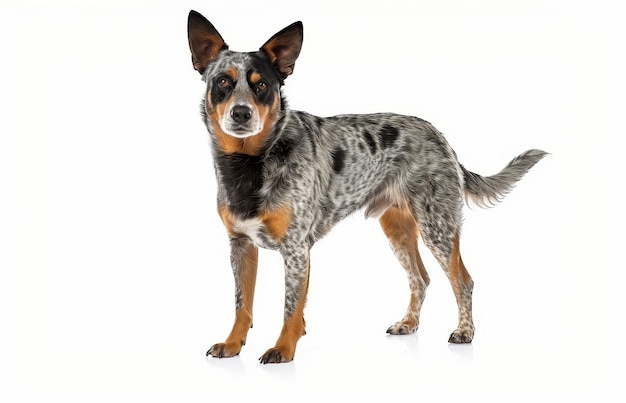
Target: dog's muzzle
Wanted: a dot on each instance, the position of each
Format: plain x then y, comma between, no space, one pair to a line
241,121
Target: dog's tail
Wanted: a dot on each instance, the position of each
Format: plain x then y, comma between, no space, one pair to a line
487,191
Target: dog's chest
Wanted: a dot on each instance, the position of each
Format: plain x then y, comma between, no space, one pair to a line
241,177
256,230
266,229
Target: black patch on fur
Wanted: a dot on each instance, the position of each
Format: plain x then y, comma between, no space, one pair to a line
370,141
242,177
389,134
281,150
339,157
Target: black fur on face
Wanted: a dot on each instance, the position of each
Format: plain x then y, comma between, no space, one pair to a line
221,88
260,64
261,78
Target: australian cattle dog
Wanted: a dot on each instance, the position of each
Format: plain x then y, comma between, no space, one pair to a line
286,177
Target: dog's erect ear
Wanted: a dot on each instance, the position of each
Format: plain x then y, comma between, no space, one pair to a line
284,47
204,41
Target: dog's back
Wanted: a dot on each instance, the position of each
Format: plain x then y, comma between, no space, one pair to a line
378,160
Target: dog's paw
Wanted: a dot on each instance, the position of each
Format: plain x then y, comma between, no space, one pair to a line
276,355
403,327
224,350
460,336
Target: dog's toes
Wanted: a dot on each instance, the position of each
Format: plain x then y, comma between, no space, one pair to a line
461,336
224,350
402,327
275,356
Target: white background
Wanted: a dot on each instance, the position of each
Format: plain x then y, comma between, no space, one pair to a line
114,272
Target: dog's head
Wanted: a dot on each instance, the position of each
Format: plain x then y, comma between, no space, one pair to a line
242,100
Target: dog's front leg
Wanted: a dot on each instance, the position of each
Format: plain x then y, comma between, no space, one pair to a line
296,286
244,260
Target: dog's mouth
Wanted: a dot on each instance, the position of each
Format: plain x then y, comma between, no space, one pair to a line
240,131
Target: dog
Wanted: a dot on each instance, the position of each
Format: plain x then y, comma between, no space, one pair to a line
286,177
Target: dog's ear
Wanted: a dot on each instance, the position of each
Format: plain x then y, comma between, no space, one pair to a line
204,41
284,47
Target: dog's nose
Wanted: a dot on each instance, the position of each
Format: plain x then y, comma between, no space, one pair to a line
241,113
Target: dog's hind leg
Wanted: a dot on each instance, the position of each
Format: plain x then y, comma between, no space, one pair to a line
438,211
401,229
445,247
244,260
462,284
297,269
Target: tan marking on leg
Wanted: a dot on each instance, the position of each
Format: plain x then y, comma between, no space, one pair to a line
227,219
247,272
293,329
277,222
462,285
401,228
458,272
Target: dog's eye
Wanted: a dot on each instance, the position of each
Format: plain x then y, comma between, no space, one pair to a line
261,86
223,83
